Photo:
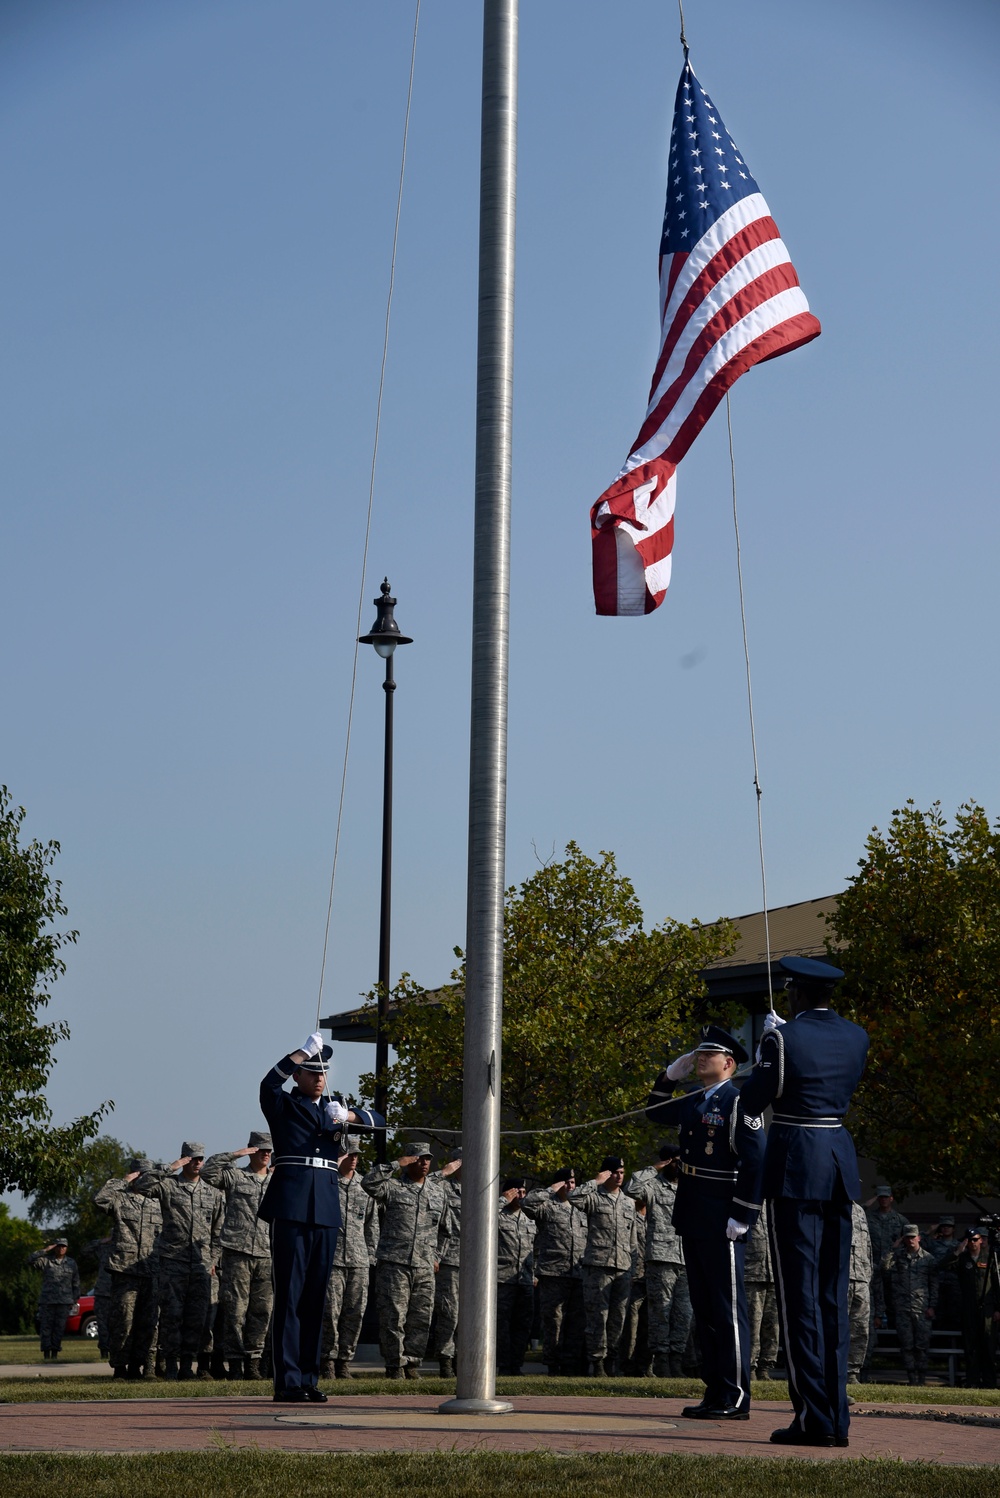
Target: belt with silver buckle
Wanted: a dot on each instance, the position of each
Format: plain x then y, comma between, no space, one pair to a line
318,1162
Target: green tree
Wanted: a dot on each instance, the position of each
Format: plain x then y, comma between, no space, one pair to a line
19,1285
592,1004
32,1152
918,933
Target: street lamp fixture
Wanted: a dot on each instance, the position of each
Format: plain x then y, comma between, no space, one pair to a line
385,636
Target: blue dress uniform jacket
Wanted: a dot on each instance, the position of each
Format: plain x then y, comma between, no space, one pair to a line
722,1154
808,1070
299,1132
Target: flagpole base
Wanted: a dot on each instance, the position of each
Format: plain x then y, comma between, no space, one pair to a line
475,1407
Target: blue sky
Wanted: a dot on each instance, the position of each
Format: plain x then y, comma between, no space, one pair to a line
199,201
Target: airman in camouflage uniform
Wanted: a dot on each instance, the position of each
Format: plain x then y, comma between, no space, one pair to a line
515,1278
667,1300
559,1248
245,1291
190,1246
762,1300
100,1249
859,1304
445,1322
607,1262
347,1292
914,1275
633,1352
60,1288
134,1268
413,1228
885,1225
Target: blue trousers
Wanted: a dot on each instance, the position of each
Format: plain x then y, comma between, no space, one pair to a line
811,1250
718,1298
301,1260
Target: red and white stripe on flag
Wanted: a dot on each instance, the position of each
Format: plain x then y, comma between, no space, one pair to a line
730,301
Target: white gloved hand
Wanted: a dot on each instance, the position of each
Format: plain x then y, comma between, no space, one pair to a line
682,1067
736,1230
313,1045
335,1112
772,1021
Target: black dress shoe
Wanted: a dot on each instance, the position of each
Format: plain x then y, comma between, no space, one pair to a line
314,1396
714,1412
792,1436
291,1396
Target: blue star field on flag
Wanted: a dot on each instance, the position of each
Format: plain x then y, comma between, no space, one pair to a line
707,174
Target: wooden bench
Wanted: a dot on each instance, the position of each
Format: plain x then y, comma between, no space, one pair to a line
945,1346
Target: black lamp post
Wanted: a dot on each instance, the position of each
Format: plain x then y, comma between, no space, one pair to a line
385,636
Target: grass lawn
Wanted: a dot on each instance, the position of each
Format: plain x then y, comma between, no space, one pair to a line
27,1350
250,1474
33,1390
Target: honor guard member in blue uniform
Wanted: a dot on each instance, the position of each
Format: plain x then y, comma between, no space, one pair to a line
302,1204
808,1069
718,1201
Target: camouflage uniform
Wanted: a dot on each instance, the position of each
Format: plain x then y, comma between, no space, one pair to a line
515,1285
347,1291
914,1290
245,1291
559,1248
884,1228
633,1350
101,1248
667,1301
762,1301
607,1267
859,1303
446,1281
134,1267
60,1288
193,1213
412,1224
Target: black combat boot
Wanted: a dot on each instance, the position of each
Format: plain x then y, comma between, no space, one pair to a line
170,1370
185,1370
119,1371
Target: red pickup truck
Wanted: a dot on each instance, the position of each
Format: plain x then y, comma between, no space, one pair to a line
81,1321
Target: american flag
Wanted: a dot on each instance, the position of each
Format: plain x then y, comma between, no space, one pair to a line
729,297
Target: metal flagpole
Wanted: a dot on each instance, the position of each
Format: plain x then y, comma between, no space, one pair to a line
476,1361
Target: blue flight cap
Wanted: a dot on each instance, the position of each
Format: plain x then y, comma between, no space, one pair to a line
811,970
714,1038
319,1062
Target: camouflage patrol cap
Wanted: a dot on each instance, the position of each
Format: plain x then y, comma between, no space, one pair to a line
910,1230
260,1139
418,1147
352,1144
140,1163
60,1243
193,1150
883,1190
946,1222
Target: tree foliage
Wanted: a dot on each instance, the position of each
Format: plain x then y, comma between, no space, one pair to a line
592,1004
32,1153
920,931
19,1285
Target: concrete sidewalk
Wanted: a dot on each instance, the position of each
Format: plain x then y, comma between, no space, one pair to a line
539,1423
